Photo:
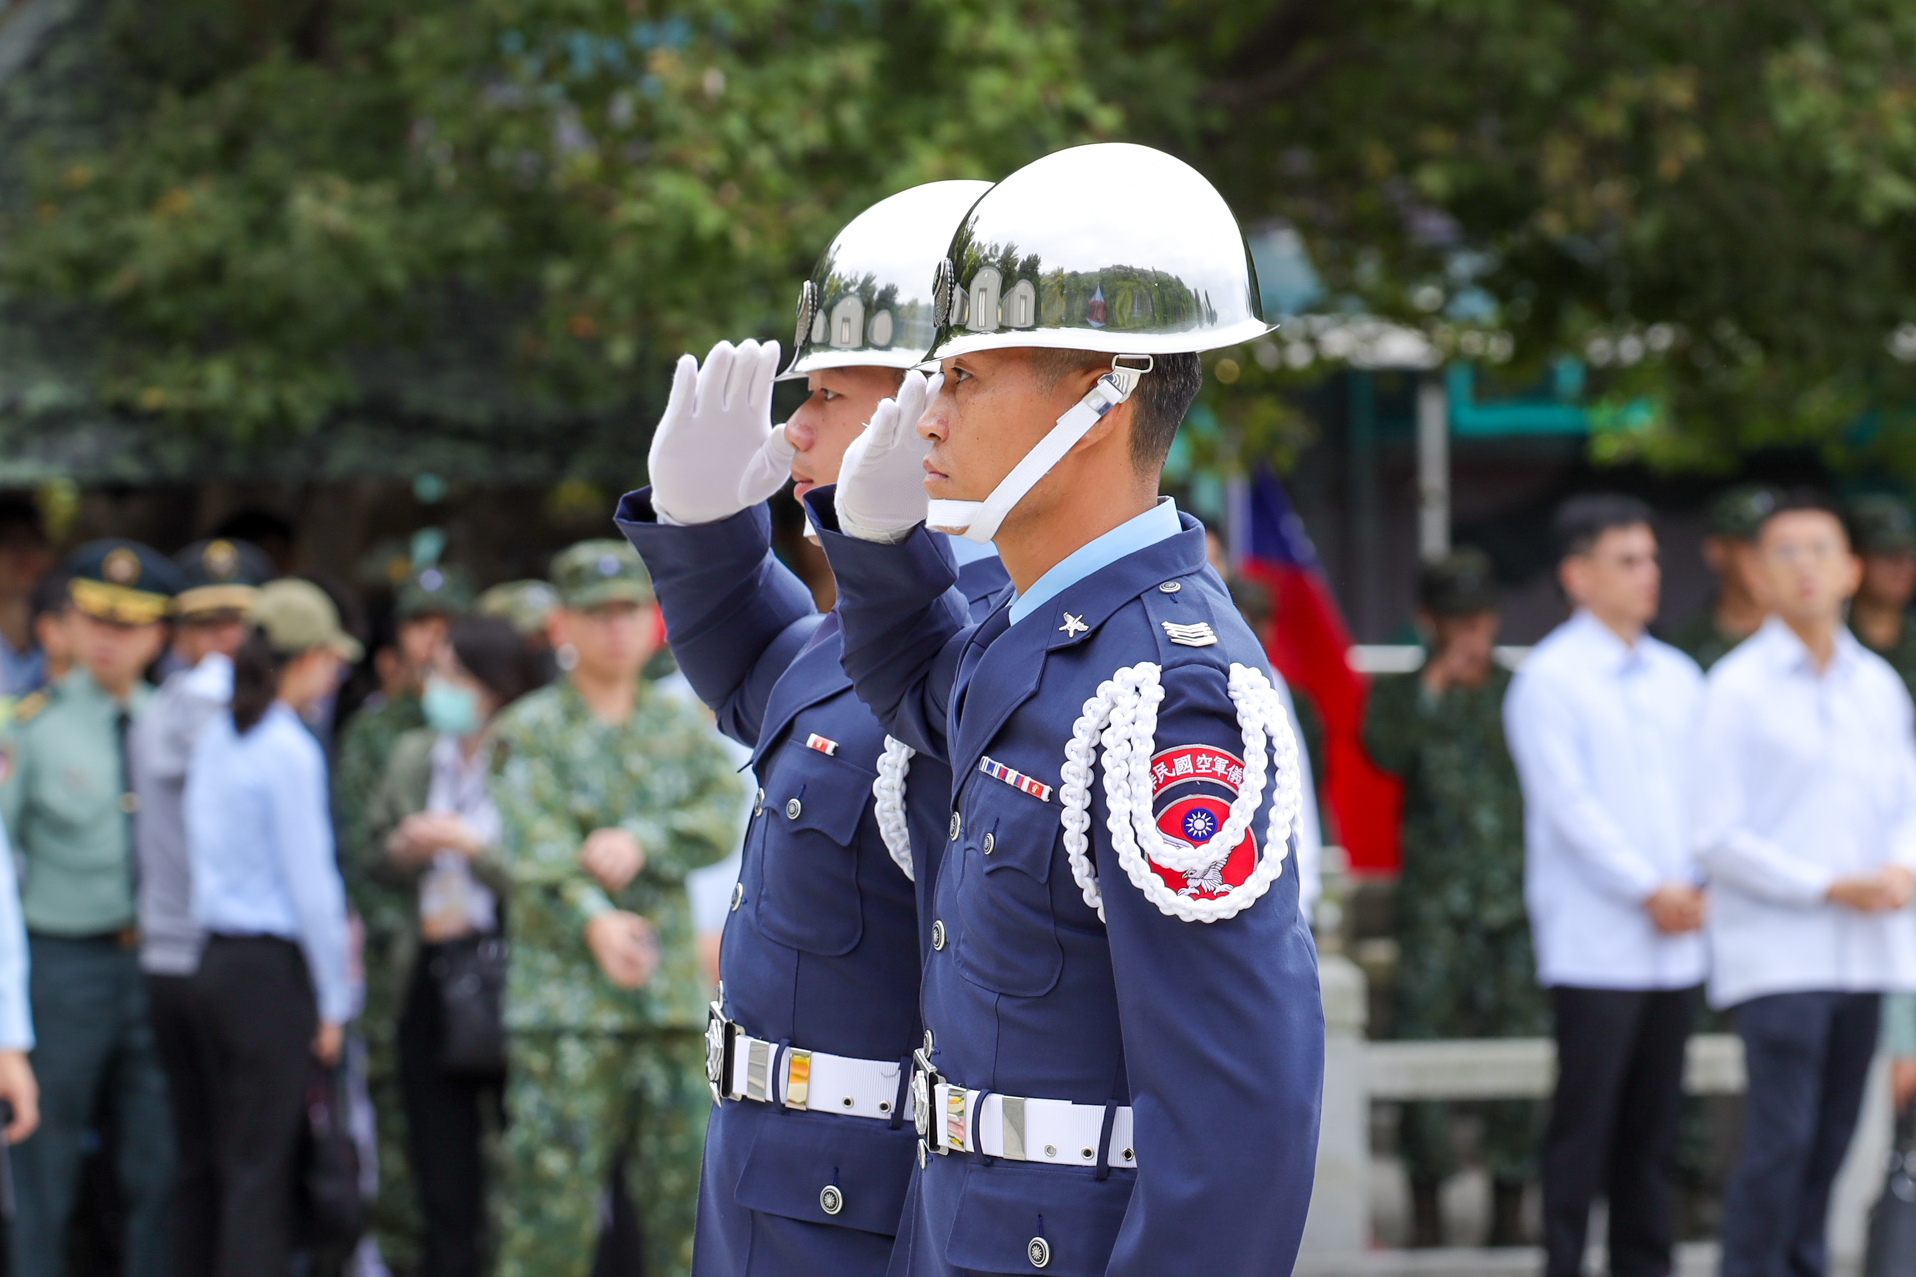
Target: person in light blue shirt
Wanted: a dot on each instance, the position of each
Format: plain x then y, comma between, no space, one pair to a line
17,1084
271,990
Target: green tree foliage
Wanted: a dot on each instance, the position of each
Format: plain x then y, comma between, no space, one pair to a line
310,184
1712,203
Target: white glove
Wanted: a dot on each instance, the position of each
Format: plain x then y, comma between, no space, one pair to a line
717,422
881,483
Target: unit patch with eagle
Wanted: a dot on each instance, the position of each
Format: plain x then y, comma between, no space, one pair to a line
1191,791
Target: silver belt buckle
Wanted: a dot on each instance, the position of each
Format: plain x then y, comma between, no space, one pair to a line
924,1078
718,1047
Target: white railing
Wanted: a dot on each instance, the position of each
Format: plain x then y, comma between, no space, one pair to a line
1338,1235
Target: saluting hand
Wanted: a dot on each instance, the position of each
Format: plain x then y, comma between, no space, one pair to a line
715,451
625,946
613,857
881,483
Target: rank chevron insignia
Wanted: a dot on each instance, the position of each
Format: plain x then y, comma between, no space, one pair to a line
1198,635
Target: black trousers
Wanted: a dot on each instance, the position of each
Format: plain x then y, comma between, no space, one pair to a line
1613,1125
446,1117
1808,1056
190,1095
254,1016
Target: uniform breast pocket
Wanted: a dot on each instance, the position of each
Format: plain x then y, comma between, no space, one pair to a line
809,896
1007,937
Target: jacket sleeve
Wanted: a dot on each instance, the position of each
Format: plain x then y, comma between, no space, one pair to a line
540,836
735,615
397,796
303,837
16,1015
702,827
905,624
1223,1031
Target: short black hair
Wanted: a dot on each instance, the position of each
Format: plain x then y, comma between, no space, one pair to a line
1806,501
495,654
20,522
1582,520
1158,405
51,595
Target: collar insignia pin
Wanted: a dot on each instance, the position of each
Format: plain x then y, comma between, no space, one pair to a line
1073,626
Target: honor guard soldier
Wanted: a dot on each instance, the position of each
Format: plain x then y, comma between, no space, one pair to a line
219,579
68,802
810,1148
609,791
1123,1054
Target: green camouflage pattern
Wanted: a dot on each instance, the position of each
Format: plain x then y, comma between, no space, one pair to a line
1902,654
1465,968
575,1101
389,919
1700,640
560,774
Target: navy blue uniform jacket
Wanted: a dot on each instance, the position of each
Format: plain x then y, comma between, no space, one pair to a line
822,949
1212,1031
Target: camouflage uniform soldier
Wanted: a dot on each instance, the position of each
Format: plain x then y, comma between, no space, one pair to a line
425,604
1733,612
1883,535
1465,967
609,792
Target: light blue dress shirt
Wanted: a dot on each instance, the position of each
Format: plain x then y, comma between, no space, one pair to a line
1159,523
16,1022
261,840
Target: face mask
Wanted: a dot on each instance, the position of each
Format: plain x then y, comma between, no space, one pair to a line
450,710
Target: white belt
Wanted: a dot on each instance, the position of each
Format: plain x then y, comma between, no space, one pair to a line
813,1080
1056,1132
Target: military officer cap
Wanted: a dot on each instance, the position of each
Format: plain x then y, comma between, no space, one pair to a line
439,589
1462,583
525,605
1880,524
220,575
122,581
1738,513
602,571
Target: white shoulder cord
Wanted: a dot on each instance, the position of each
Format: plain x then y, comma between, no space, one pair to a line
888,803
1123,717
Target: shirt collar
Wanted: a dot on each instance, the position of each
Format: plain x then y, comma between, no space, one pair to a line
1159,523
1791,653
1616,653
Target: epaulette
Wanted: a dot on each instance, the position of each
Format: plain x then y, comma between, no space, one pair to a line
28,706
1181,619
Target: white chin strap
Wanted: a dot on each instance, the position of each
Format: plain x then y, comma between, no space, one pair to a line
978,520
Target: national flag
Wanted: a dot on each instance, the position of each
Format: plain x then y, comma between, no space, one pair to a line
1310,646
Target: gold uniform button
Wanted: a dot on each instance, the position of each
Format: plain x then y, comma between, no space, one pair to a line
991,843
738,895
957,825
1038,1251
938,934
830,1199
792,809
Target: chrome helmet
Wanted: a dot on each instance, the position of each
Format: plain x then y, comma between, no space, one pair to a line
1109,247
869,301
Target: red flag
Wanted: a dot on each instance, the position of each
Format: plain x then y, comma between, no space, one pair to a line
1310,646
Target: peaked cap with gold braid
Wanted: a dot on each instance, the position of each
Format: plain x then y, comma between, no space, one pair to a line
122,581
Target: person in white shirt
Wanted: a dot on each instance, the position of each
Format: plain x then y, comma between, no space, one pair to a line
1599,720
1806,821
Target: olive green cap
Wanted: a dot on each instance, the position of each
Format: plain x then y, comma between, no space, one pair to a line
1462,583
438,590
1738,512
525,605
600,571
1880,524
297,616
